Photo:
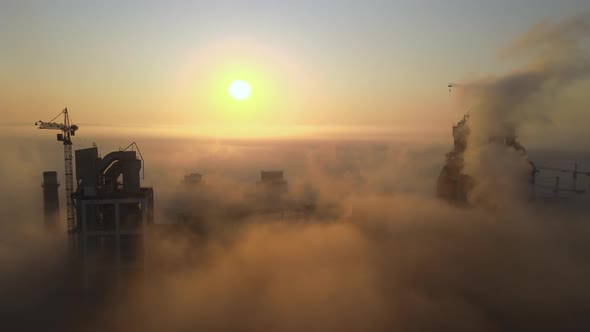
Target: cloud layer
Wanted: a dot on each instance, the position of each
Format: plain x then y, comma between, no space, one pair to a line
375,251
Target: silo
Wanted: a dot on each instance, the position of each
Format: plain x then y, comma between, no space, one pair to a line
50,199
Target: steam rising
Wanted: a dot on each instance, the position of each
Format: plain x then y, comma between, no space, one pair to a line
556,56
555,60
378,252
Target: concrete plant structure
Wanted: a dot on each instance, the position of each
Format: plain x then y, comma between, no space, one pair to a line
113,211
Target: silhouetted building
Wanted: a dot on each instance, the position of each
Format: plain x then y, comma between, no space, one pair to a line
113,212
269,191
193,179
272,180
50,199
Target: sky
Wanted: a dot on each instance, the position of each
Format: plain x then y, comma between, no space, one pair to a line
337,65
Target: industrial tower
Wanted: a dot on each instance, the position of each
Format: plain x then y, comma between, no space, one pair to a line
67,130
50,199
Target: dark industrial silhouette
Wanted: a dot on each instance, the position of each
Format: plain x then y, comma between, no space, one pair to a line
50,199
113,212
67,131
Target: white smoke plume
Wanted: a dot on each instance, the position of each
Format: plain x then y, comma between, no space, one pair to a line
378,252
556,58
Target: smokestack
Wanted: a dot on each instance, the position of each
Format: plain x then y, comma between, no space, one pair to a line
50,199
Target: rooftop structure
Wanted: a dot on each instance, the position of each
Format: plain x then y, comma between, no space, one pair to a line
273,180
270,190
193,179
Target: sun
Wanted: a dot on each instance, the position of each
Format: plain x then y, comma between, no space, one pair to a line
240,90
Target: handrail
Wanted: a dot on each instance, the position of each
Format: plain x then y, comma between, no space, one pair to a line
563,170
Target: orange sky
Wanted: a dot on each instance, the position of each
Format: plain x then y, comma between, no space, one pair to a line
358,64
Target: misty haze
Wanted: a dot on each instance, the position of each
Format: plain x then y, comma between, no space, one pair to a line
295,166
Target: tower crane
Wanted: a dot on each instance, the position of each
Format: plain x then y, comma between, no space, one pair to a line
67,131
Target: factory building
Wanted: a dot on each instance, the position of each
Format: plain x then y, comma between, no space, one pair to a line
113,211
193,179
270,191
272,181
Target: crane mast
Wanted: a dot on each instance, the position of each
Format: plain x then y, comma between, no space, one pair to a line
67,131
